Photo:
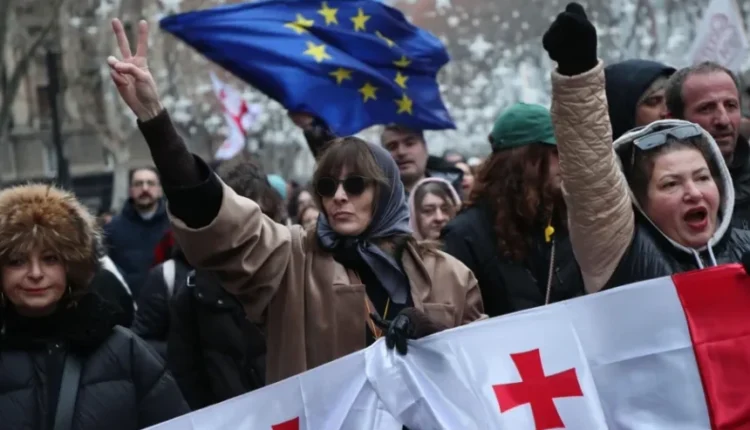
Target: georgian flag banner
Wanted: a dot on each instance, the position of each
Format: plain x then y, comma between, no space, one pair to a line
669,353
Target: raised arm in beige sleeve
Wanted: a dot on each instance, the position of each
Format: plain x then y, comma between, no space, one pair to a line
600,210
250,253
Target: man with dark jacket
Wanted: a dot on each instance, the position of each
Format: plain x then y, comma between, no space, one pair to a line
635,91
708,94
132,235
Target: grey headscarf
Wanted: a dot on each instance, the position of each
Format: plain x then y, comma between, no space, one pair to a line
391,218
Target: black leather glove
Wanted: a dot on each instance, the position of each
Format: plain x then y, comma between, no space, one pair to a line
571,41
408,324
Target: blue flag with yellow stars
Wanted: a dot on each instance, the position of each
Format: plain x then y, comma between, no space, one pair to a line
353,63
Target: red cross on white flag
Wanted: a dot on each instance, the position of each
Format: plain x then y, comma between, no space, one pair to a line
239,116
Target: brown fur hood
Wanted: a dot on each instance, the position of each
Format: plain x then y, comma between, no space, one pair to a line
47,217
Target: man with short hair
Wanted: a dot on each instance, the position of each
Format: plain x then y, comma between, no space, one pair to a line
708,94
133,234
409,150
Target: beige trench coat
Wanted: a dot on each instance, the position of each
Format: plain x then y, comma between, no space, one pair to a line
312,307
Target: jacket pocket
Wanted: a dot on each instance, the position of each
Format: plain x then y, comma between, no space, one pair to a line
441,313
350,318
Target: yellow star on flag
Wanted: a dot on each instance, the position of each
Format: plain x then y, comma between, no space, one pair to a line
368,92
403,62
329,14
404,105
401,80
360,20
300,25
317,51
341,74
388,41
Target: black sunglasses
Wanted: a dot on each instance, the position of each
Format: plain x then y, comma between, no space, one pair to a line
353,185
658,138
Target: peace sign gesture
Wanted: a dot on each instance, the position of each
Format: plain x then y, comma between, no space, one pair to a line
131,75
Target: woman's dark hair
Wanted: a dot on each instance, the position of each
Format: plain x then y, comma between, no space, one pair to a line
437,188
350,153
638,165
248,180
514,183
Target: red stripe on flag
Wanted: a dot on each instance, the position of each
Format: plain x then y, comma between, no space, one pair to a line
717,308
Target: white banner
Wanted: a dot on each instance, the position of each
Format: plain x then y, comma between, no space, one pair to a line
721,36
623,359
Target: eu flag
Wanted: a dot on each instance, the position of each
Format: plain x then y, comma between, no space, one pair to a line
353,63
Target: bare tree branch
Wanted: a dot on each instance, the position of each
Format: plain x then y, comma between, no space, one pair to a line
20,70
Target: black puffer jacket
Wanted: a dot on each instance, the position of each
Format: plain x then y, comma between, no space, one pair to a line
214,352
151,321
506,285
123,385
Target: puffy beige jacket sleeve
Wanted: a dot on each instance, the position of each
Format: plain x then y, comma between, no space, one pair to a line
600,210
252,255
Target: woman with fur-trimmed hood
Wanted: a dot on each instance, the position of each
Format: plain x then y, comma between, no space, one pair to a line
62,356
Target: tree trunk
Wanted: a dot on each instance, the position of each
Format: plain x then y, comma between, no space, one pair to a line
120,176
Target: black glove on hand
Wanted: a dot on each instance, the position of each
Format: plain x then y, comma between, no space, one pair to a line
571,41
408,324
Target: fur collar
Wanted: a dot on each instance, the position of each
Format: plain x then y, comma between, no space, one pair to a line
82,326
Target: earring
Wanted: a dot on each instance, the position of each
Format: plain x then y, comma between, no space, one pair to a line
2,300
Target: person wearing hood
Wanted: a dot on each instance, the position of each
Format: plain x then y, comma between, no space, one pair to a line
513,233
657,203
635,93
433,203
320,293
132,235
65,361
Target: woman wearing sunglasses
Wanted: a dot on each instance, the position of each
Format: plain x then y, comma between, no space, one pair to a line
663,207
322,293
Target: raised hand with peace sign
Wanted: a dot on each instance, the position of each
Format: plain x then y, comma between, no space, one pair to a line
131,75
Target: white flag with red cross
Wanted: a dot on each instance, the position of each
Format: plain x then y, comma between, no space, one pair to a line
669,353
239,116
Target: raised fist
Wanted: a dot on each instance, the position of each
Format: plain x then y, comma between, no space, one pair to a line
571,41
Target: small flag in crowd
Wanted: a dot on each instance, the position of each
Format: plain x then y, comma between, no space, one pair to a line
239,116
667,353
353,63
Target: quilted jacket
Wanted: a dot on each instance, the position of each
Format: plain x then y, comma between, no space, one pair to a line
614,242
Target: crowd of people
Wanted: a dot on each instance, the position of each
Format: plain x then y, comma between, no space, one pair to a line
228,278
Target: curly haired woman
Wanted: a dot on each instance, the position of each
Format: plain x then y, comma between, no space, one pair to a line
64,362
513,233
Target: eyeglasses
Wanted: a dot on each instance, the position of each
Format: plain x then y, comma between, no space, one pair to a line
658,138
353,185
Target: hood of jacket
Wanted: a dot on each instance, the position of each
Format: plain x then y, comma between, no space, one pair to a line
626,82
413,218
623,146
